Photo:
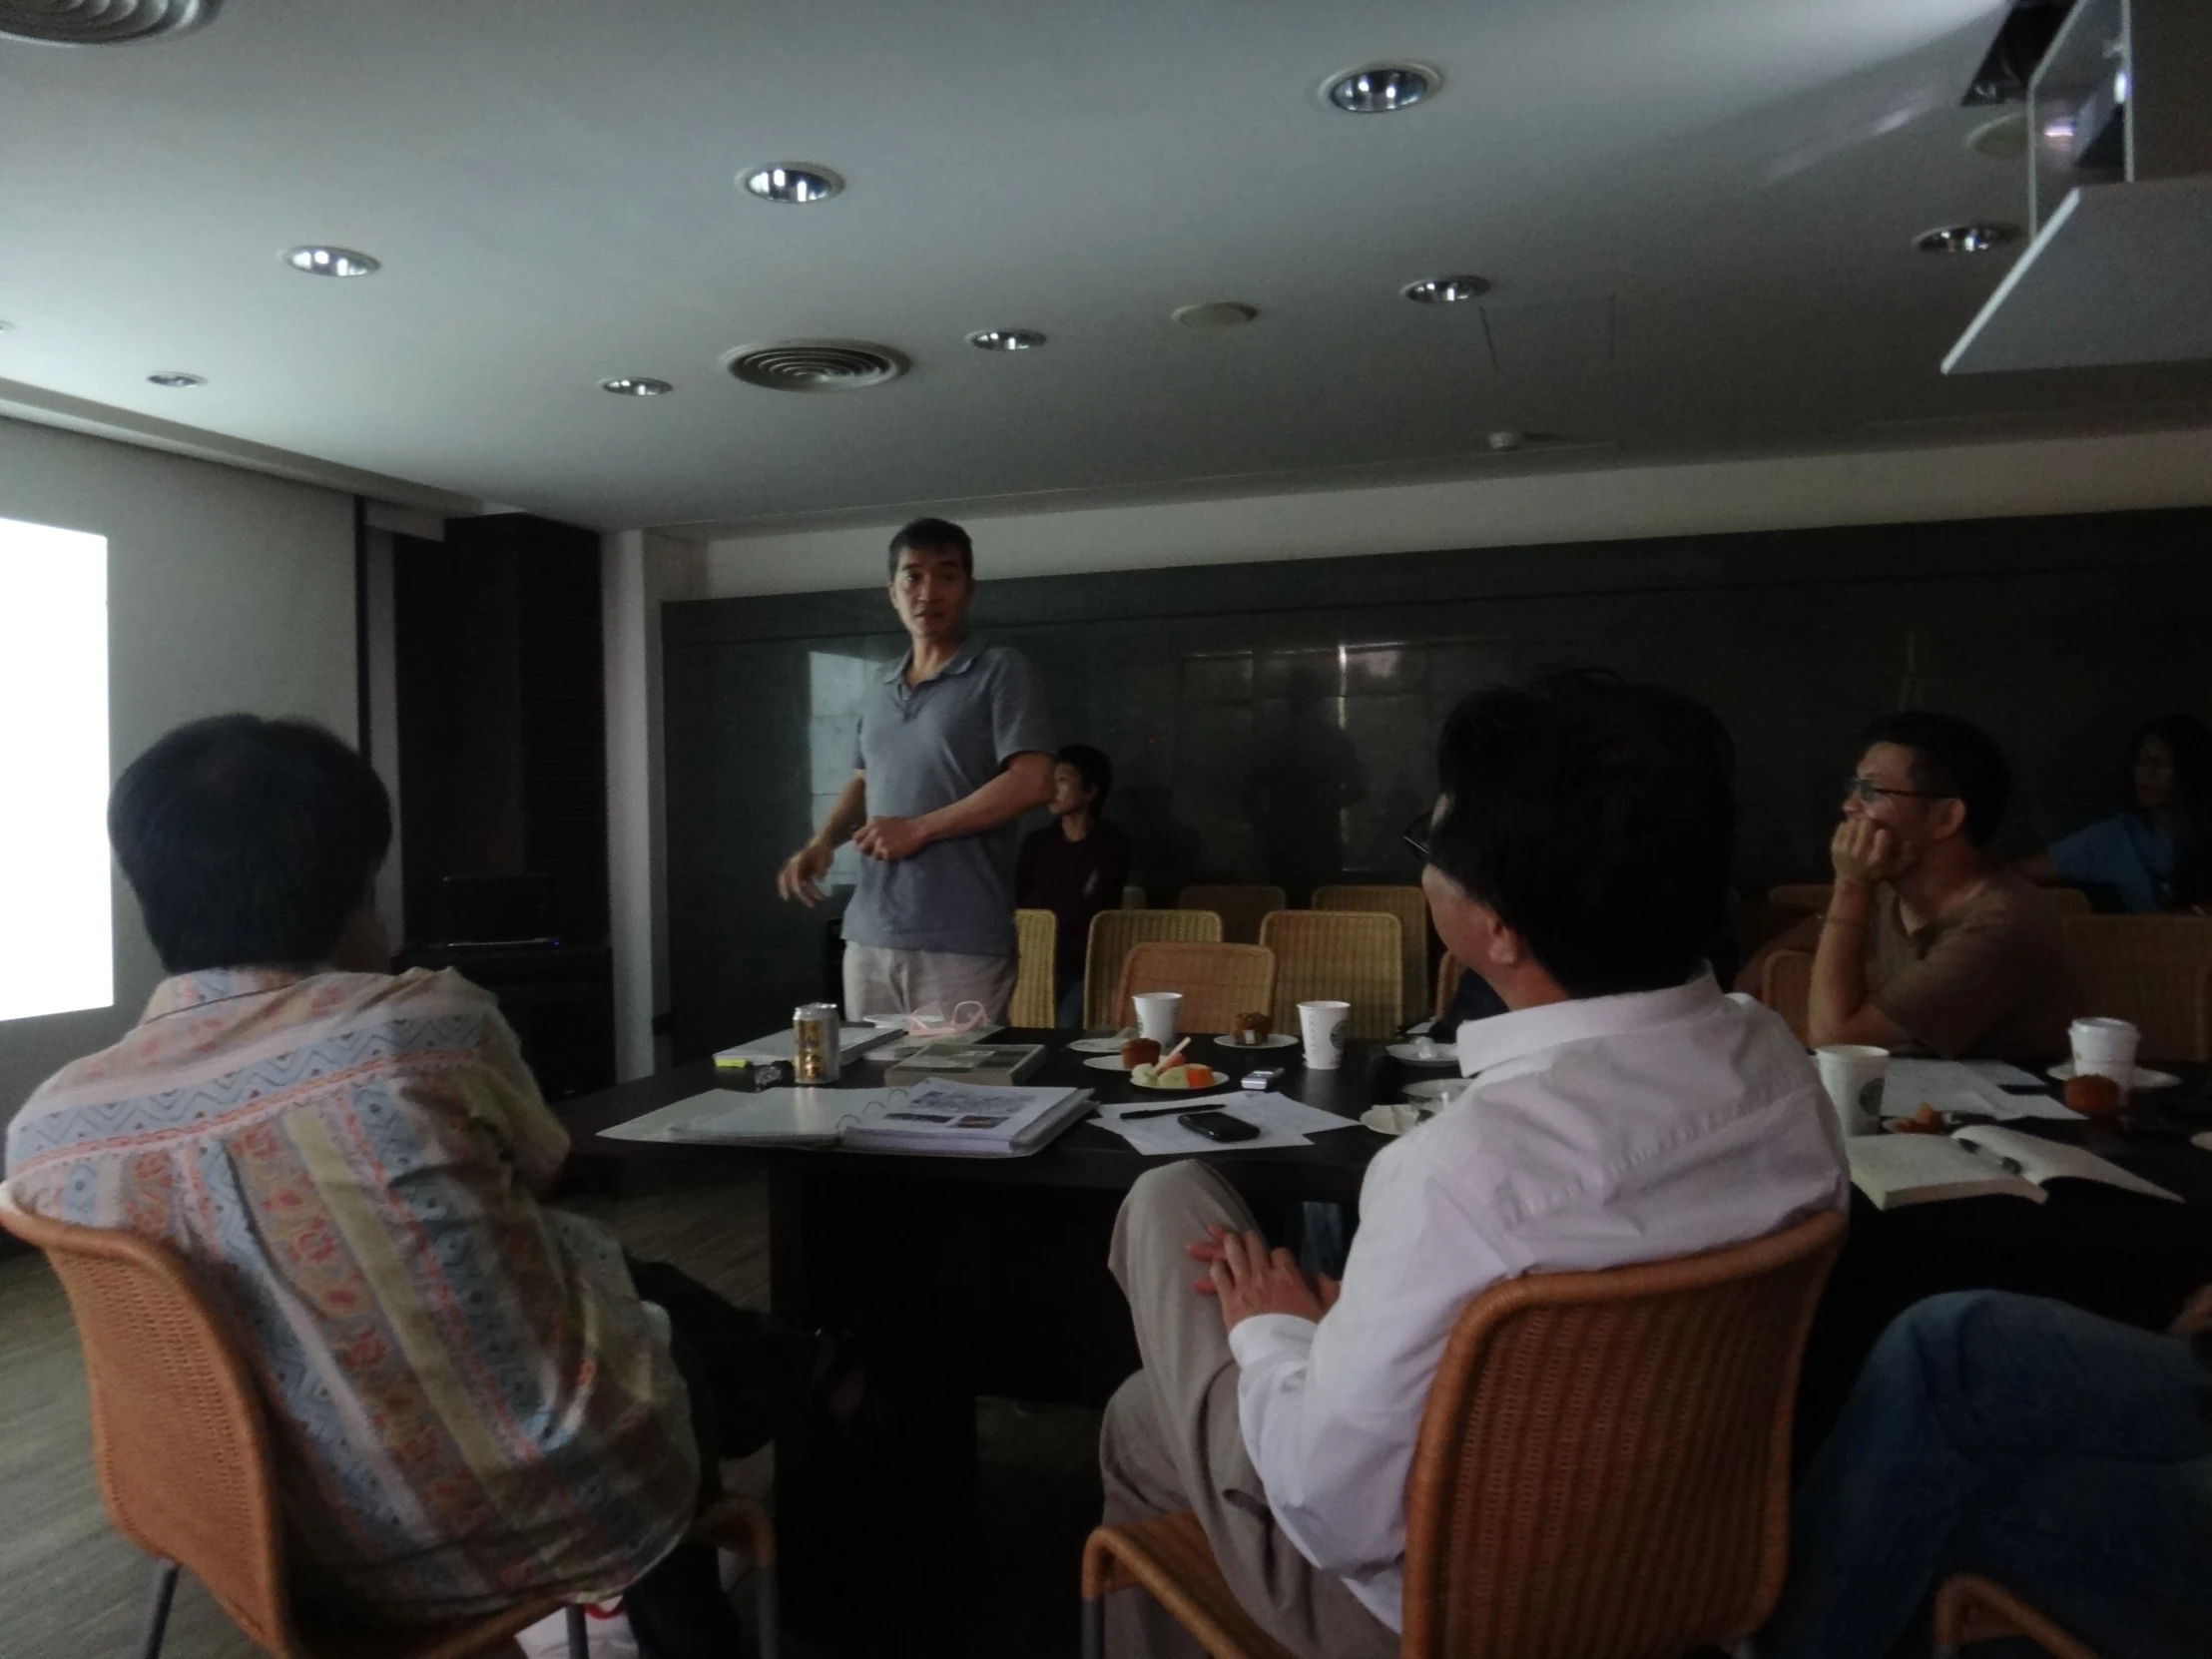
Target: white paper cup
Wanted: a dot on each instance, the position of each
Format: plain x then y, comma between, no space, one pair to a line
1156,1014
1854,1075
2105,1049
1322,1026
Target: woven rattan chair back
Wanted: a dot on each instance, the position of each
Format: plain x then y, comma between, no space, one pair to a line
1604,1471
1036,933
1113,932
1448,970
1347,955
2151,970
1970,1610
1241,909
1411,906
180,1448
1786,986
1217,983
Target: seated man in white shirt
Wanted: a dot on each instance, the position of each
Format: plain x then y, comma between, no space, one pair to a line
1622,1110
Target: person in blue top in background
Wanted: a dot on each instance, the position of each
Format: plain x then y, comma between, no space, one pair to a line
2157,856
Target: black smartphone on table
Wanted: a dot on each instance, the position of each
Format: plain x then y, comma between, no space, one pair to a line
1218,1126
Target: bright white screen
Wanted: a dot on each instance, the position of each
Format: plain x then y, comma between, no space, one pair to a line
57,950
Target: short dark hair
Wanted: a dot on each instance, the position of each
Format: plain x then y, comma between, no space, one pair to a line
1093,767
249,842
936,535
1597,818
1954,758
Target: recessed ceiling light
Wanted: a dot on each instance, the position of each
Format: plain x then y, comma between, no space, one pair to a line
636,386
1965,239
1446,290
1215,314
792,181
1383,88
332,262
1006,340
105,24
1506,441
177,379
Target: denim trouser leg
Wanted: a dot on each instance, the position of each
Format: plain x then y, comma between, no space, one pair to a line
1976,1418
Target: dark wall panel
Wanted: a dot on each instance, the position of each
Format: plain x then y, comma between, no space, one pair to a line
1277,720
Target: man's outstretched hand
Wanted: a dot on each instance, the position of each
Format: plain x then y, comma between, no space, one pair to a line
1251,1279
801,877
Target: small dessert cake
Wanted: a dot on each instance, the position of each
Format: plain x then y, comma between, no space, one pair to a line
1139,1051
1253,1028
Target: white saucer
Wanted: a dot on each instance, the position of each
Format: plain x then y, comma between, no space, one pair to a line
1442,1055
1438,1089
1107,1062
1273,1039
2143,1080
1393,1120
1097,1046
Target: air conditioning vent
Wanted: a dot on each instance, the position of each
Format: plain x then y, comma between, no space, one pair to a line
100,22
815,364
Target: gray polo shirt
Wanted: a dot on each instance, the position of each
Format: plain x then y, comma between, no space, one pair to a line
928,746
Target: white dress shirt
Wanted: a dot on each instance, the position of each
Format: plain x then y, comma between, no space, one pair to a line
1598,1132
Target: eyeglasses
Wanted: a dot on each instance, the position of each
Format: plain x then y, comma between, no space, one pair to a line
1870,791
1416,836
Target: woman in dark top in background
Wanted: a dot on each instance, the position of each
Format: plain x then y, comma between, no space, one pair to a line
1076,867
2157,856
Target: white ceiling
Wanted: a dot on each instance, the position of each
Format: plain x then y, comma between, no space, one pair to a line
1698,214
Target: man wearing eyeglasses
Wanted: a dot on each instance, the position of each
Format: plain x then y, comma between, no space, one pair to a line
1927,945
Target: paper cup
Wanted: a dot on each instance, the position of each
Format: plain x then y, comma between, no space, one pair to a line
1156,1014
1854,1074
1322,1026
2105,1049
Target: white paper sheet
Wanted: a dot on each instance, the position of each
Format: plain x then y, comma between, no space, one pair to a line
1280,1121
2004,1074
1954,1087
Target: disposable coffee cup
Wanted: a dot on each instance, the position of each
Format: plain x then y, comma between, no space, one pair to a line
1854,1075
2105,1049
1322,1026
1156,1014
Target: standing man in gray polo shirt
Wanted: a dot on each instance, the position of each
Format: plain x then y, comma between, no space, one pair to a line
954,745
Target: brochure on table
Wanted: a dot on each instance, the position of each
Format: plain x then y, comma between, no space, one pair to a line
777,1045
947,1118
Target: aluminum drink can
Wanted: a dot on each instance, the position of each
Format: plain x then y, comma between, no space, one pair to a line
816,1048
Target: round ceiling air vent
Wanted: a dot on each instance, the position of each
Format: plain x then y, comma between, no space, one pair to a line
100,22
815,364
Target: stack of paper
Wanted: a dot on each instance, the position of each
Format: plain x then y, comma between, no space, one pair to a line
1280,1121
778,1045
956,1119
1966,1086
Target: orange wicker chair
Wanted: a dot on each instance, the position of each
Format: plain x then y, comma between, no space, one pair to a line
1241,909
1113,932
1410,906
1217,983
184,1461
1603,1468
1036,935
1970,1609
1448,970
2152,970
1786,986
1351,955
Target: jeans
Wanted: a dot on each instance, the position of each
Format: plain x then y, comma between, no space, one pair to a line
1067,1000
750,1378
2064,1455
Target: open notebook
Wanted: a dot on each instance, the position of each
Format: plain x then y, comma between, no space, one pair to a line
1897,1170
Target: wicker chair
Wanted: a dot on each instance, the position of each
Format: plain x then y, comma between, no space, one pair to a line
1349,955
2155,972
1217,983
1410,906
1034,1007
1241,909
1786,986
1970,1609
1112,934
1603,1469
185,1467
1448,970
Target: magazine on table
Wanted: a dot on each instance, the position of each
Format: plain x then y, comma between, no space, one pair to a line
937,1116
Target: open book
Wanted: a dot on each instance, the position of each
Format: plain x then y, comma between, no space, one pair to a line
1897,1170
954,1119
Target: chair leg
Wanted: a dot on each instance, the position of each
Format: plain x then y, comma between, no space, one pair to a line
160,1593
1094,1627
579,1635
764,1605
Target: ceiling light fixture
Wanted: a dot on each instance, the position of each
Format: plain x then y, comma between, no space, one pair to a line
1006,340
636,386
177,379
792,181
1215,314
332,262
1446,290
1965,239
108,24
1382,88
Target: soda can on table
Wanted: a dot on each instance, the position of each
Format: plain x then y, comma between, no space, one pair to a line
817,1055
